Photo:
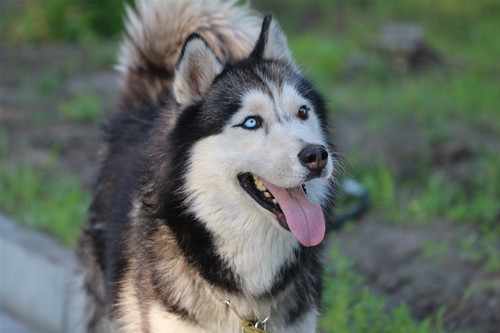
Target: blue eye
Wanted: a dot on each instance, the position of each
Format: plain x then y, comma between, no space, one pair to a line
252,122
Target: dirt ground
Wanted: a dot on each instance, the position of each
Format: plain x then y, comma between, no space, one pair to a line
395,261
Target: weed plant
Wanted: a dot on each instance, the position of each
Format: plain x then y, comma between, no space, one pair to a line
82,108
43,199
349,308
68,20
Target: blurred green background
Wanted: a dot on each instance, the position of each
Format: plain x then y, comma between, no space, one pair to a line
414,93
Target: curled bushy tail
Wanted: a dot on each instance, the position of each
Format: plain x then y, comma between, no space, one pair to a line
157,29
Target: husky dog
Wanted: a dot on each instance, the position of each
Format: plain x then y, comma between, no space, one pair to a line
216,179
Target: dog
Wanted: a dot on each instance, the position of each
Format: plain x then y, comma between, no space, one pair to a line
216,179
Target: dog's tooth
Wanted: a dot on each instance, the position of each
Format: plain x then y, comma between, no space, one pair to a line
274,201
267,194
260,186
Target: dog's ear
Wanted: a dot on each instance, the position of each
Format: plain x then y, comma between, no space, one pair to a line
195,70
272,44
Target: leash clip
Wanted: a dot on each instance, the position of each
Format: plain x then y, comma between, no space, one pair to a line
254,326
262,323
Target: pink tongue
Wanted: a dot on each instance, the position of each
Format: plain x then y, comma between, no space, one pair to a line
304,218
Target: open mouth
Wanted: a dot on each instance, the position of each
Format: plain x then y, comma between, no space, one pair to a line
259,192
291,206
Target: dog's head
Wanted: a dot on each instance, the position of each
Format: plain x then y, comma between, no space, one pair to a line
258,131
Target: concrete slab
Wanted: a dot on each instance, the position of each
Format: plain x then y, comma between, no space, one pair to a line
37,280
9,324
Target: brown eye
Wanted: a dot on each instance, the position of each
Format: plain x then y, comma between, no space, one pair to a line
303,112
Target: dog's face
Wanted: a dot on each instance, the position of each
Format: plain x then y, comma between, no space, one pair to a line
264,146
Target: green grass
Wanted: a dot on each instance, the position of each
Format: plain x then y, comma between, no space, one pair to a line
352,309
49,82
321,59
431,196
483,250
435,100
82,108
48,20
41,199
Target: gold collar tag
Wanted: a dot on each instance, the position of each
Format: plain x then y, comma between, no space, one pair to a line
252,326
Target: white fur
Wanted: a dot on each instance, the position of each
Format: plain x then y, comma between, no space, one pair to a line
271,152
247,235
160,320
232,216
131,320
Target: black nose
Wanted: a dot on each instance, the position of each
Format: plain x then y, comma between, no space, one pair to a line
314,157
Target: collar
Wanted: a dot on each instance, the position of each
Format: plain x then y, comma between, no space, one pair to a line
248,325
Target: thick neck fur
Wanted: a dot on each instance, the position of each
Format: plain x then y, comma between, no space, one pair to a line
253,245
233,249
226,229
281,282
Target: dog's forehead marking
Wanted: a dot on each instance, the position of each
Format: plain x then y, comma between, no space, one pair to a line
282,102
290,100
257,102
